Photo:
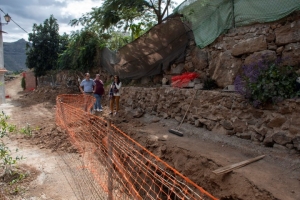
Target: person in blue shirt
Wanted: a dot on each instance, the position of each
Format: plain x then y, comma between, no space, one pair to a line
87,86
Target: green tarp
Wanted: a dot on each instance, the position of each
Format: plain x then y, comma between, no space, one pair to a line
210,18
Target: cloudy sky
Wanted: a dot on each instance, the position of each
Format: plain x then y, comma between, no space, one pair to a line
25,13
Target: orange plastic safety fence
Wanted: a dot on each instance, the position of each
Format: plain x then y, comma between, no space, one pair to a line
122,167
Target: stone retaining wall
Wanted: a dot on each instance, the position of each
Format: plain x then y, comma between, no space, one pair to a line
240,46
221,112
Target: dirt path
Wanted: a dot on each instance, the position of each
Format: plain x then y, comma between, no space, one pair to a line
196,155
54,177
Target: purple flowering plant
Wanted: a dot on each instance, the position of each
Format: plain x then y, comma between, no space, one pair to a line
266,82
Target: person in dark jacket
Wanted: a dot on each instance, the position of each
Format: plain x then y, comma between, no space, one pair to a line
98,93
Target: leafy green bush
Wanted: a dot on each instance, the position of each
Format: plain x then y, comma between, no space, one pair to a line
27,130
266,82
4,126
6,160
23,83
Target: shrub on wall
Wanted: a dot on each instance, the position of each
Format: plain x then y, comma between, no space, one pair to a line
266,82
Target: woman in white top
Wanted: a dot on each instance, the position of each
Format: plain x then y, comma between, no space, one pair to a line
115,94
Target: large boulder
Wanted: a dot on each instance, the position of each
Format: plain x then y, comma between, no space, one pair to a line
291,54
281,138
223,68
259,56
199,58
276,121
249,46
288,33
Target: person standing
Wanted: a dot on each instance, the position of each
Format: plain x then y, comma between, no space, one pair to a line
87,87
115,94
98,93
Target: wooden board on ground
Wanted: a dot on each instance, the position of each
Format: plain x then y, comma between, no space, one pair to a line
229,168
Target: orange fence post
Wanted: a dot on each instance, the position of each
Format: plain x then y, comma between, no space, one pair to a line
109,160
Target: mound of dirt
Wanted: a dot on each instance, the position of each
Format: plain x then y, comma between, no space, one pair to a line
53,138
44,94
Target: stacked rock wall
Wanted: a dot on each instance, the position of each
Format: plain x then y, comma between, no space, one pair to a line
221,112
240,46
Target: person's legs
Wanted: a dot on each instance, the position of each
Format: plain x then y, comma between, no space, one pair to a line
117,103
97,103
89,95
100,106
112,100
87,100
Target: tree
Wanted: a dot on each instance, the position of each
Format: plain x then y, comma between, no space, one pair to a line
116,8
123,13
116,40
82,50
136,30
160,8
43,52
63,42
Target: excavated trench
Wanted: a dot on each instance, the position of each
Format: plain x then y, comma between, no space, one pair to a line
199,152
230,186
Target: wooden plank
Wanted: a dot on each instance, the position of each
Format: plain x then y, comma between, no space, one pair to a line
229,168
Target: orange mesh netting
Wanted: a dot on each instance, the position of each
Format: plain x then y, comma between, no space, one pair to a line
122,167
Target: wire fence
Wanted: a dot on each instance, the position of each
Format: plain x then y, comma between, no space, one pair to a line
122,167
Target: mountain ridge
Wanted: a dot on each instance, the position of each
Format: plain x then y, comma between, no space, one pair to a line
15,55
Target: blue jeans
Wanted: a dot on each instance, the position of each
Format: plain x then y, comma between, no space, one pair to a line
97,105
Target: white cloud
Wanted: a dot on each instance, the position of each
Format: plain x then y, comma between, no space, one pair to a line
76,9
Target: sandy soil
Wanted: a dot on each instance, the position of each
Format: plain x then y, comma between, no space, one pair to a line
48,154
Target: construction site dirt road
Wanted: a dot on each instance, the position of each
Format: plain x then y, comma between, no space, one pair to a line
48,154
